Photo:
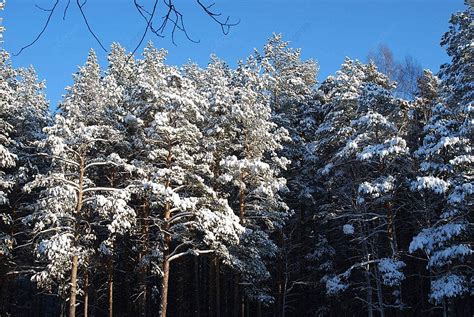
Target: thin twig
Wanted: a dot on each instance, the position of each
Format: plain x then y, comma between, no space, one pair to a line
65,9
51,11
147,27
79,5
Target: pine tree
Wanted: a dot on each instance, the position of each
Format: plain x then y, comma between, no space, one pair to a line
364,155
445,178
75,206
190,217
289,82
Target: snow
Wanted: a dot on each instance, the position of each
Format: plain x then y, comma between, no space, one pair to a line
379,187
448,255
430,238
391,271
334,285
448,286
435,184
395,145
348,229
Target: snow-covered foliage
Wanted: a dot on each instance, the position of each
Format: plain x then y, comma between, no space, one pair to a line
283,194
23,113
74,203
446,170
391,271
362,153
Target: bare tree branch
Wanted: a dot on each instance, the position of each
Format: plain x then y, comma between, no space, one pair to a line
80,6
65,9
226,25
172,16
51,11
149,21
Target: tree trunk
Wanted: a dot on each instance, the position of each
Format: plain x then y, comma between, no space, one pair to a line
368,286
164,288
166,263
211,287
379,293
86,294
142,303
239,303
241,203
73,292
283,302
75,258
110,288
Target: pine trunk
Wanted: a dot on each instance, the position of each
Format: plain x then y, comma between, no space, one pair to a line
73,292
166,263
110,289
238,302
75,258
86,294
164,288
142,303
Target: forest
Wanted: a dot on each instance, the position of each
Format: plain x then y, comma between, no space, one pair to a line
161,190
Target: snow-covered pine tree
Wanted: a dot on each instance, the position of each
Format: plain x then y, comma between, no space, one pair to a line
445,174
252,172
289,82
75,204
364,156
23,113
8,158
186,215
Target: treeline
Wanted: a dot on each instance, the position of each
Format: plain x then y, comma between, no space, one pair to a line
158,190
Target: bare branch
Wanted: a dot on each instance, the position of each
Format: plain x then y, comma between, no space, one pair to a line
225,25
102,163
79,5
147,26
173,16
51,11
103,189
65,9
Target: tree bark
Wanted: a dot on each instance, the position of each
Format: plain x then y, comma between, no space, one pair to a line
73,292
164,288
86,294
379,293
110,288
370,312
144,271
239,302
75,258
166,263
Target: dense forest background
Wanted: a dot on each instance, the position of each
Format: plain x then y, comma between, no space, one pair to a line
255,191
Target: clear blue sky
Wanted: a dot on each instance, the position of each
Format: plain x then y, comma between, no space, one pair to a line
326,30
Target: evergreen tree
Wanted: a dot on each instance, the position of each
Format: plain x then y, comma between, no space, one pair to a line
445,180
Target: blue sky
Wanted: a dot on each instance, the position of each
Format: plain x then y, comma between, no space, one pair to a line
325,30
